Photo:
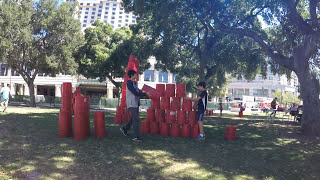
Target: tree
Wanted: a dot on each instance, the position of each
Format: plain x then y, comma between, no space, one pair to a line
290,40
106,52
287,97
38,36
187,43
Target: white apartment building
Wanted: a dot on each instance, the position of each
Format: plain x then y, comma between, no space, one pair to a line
260,87
107,11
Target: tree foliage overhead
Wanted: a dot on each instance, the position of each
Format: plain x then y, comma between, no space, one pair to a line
106,52
38,36
187,42
287,97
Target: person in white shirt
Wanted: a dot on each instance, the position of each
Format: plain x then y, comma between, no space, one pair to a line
5,94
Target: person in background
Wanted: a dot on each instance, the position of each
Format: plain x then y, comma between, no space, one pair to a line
220,108
274,107
133,95
5,94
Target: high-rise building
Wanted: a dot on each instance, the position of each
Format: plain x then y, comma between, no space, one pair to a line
107,11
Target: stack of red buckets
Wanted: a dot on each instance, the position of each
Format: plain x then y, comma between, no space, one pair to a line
166,117
75,103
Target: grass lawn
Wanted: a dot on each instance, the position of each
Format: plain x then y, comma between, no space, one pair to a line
30,147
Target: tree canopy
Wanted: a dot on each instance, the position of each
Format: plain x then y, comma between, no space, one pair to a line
38,36
286,98
106,52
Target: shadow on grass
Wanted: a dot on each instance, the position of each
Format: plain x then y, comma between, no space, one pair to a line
275,150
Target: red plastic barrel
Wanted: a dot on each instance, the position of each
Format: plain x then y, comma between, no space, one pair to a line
79,105
187,105
176,104
195,106
164,130
211,113
181,90
66,89
192,117
154,128
118,116
80,126
175,130
230,133
87,113
66,103
126,116
186,131
145,127
195,130
154,92
99,124
171,117
181,117
155,103
151,115
161,88
160,115
165,103
65,123
170,90
240,114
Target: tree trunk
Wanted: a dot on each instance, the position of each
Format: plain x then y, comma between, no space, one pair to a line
310,90
31,92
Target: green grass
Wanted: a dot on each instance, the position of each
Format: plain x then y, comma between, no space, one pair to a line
29,143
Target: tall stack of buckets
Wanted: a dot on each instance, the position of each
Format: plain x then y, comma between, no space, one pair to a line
75,103
166,116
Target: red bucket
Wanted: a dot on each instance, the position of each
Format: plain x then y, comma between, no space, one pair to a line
230,133
181,117
181,90
154,128
80,124
161,88
187,105
176,104
164,130
160,115
99,124
240,114
171,117
65,123
145,127
195,130
154,92
170,90
87,113
165,103
186,131
118,116
155,103
192,117
175,130
151,115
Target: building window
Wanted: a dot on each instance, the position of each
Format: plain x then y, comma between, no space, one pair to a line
126,24
119,25
120,17
80,8
120,12
112,26
149,75
163,77
100,6
87,9
270,78
94,9
113,9
84,21
114,5
106,17
260,77
86,17
120,21
3,70
92,17
107,4
91,21
105,12
84,25
121,9
93,13
112,17
133,17
81,4
87,12
106,8
105,21
88,4
133,21
94,4
99,15
100,10
127,20
112,22
127,16
113,13
246,92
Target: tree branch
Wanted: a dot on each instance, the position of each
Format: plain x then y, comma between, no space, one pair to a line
117,84
276,56
296,19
